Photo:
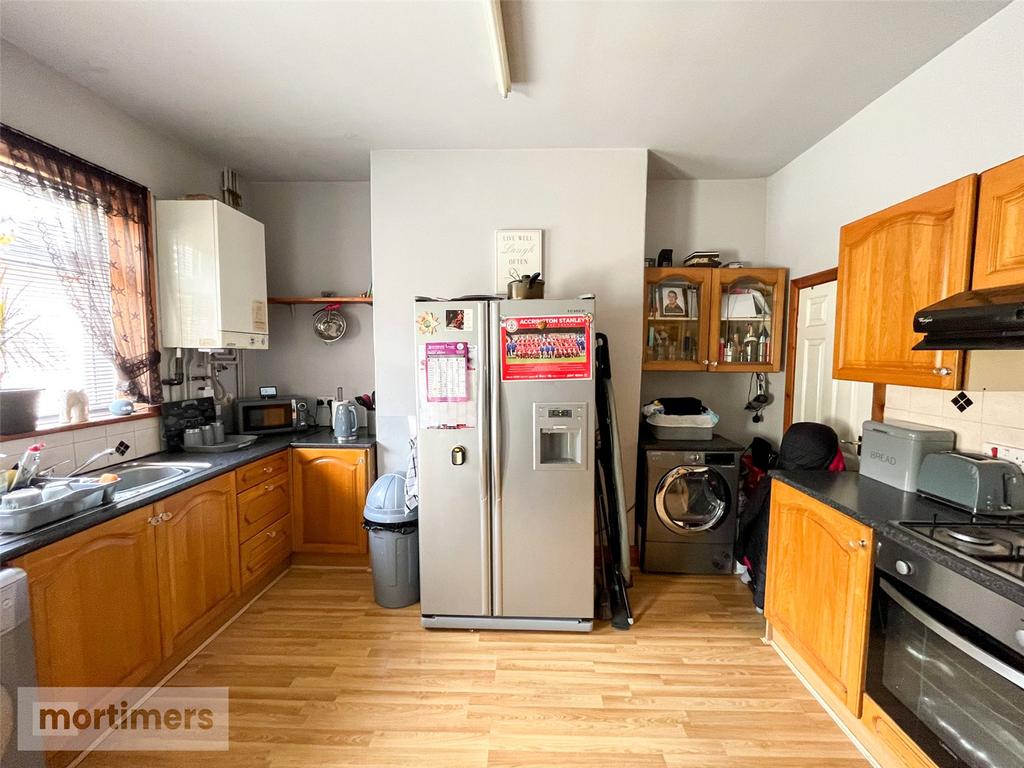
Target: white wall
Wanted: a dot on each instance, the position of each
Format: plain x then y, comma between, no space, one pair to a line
318,238
961,113
727,216
45,104
434,214
724,215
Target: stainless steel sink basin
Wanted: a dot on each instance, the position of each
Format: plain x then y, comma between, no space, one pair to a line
139,477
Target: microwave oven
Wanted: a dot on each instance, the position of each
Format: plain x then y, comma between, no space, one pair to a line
268,415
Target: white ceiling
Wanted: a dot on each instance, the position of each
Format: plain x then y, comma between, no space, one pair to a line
304,90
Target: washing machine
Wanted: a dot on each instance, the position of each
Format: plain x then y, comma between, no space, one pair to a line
690,517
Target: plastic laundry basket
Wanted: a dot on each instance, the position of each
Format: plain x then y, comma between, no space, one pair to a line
394,543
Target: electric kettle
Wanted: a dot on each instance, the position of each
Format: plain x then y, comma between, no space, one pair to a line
346,419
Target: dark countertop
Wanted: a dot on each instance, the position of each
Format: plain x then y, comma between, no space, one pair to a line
879,506
717,443
14,545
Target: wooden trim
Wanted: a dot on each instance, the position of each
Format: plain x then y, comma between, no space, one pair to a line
878,402
796,285
143,412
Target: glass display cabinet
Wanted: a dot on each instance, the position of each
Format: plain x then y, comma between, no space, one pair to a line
704,319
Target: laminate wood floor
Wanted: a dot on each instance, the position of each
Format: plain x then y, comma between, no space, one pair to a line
322,676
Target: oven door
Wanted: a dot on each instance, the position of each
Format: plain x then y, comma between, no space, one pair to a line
956,692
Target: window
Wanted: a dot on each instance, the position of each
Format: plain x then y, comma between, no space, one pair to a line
76,309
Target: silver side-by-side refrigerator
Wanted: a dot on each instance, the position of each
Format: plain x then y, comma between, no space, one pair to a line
505,424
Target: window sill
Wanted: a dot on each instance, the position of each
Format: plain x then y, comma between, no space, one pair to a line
142,412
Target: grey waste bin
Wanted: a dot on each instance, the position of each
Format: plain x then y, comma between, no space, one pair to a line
394,543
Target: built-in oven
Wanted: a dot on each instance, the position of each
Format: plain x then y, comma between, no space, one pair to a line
946,661
268,415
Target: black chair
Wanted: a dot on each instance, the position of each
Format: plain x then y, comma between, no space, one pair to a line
806,445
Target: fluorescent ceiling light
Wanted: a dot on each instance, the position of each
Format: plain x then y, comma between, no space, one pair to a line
497,33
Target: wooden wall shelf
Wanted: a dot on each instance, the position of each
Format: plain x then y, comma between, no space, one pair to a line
320,300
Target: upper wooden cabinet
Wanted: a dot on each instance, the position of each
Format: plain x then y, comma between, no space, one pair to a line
999,243
95,605
891,264
329,487
197,555
818,588
723,320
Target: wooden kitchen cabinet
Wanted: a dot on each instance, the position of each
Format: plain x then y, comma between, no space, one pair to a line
95,605
261,505
261,470
264,551
329,487
197,555
892,746
999,239
891,264
708,319
818,588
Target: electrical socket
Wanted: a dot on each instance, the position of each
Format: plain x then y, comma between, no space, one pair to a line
1009,453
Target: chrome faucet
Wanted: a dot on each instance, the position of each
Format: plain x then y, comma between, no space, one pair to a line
120,449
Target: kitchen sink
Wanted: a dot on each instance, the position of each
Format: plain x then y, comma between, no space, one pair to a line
139,477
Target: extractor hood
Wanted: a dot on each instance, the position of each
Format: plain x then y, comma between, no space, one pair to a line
988,319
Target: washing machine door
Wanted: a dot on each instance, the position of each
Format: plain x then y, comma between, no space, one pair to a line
691,499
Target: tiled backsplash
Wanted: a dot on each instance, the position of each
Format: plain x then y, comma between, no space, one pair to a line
75,446
993,417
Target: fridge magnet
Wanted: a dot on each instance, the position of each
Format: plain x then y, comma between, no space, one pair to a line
518,252
458,319
427,324
551,348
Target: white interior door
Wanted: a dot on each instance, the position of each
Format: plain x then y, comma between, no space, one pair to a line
843,405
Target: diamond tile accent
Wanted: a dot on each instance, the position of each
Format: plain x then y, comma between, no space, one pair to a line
962,402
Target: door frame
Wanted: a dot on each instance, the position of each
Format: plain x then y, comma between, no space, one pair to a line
796,285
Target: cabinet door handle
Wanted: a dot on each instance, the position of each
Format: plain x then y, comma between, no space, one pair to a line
267,470
858,544
154,520
268,487
714,363
705,362
271,534
943,371
166,515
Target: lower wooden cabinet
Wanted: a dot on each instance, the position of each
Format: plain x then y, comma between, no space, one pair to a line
197,555
265,550
898,747
329,487
95,605
819,587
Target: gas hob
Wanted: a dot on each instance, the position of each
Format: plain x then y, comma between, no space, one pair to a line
996,543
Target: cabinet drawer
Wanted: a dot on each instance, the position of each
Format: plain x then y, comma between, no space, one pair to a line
259,471
258,507
892,737
266,549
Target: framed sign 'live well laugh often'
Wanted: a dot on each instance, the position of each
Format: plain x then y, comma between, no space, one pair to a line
517,252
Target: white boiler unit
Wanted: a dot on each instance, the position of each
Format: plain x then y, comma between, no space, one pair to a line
212,276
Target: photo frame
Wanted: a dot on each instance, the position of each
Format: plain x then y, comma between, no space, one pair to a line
672,301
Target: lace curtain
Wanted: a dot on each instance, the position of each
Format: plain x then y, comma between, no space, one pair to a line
107,263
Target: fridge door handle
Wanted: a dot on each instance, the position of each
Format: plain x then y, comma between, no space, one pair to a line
484,459
494,358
